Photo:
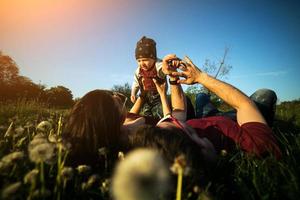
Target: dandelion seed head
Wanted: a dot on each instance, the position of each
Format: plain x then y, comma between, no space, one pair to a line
145,175
44,152
83,169
67,173
44,127
19,131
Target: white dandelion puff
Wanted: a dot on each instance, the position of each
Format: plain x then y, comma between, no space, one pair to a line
84,169
44,127
67,173
145,175
44,152
19,131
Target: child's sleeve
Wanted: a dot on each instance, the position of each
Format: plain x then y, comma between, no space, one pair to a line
135,85
158,66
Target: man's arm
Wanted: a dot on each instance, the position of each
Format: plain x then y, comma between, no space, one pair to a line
246,109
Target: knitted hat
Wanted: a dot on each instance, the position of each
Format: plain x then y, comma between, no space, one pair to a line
145,48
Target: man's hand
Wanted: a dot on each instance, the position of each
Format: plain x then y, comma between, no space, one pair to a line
133,98
190,72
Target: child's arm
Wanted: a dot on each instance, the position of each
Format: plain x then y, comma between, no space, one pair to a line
135,87
158,66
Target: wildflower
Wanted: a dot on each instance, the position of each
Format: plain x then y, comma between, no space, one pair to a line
223,152
105,186
121,155
13,157
84,169
10,190
44,152
37,140
67,173
31,176
180,163
53,137
93,179
44,127
144,174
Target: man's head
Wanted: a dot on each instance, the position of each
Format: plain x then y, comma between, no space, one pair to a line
145,53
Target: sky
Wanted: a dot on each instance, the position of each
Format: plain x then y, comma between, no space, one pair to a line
89,44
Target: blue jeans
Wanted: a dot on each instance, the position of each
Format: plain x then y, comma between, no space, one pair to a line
264,99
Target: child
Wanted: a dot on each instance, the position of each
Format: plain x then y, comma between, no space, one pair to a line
149,67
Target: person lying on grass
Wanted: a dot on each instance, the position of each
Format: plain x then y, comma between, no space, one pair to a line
249,132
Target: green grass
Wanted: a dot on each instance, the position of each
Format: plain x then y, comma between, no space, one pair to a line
236,176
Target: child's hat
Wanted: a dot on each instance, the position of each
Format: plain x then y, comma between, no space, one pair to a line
145,48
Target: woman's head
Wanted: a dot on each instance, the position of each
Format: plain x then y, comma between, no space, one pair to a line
94,122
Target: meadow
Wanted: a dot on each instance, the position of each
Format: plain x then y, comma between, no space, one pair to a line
32,162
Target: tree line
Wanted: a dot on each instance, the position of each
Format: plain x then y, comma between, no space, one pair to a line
14,86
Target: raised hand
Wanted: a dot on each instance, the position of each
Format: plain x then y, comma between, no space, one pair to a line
161,87
190,72
170,64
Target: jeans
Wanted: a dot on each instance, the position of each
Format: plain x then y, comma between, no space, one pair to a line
264,99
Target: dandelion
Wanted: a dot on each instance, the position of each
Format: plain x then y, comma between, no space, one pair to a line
121,155
10,190
223,152
67,173
105,186
13,157
19,131
53,137
93,179
144,174
31,176
44,127
44,152
83,169
37,140
179,167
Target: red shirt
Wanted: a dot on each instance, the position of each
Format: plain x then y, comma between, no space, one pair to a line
224,133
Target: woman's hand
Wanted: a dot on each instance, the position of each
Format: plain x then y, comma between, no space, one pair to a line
161,87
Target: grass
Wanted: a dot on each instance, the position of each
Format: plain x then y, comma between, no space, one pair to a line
236,176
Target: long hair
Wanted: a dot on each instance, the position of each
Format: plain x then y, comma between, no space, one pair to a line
94,122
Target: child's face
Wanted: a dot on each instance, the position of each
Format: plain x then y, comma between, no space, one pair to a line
146,63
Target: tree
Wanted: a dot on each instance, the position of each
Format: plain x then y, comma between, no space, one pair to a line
220,72
59,96
126,90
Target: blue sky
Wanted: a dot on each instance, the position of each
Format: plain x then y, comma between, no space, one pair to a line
89,44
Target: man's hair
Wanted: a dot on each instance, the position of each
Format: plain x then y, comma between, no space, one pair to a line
93,123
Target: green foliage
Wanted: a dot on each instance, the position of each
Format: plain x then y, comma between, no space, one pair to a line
126,90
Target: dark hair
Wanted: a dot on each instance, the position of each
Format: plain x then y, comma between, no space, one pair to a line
169,142
94,122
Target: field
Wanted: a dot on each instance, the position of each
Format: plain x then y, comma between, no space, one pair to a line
32,162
